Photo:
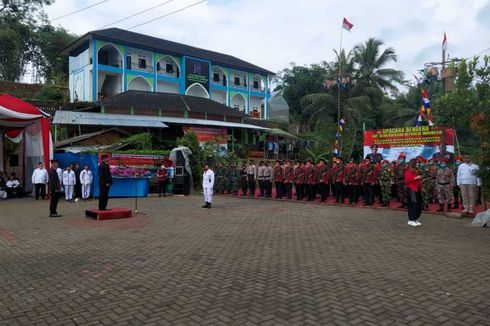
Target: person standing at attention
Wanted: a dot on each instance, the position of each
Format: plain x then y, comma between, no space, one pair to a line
413,182
39,180
54,185
105,182
207,186
69,182
468,181
162,181
86,179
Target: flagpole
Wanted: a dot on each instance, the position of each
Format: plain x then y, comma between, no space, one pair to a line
443,138
339,80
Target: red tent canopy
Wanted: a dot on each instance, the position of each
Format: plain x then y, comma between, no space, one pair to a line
16,114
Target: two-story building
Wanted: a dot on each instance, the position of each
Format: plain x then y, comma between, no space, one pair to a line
107,62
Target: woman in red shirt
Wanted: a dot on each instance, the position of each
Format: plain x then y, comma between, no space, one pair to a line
414,193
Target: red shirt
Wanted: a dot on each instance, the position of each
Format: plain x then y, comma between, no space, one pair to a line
413,184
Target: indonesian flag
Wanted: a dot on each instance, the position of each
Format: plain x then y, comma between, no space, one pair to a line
444,41
346,24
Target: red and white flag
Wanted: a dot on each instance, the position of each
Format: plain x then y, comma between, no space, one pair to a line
347,24
444,42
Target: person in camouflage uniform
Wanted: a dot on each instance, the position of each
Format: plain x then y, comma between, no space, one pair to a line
233,179
401,186
432,183
445,184
220,179
456,190
424,170
386,180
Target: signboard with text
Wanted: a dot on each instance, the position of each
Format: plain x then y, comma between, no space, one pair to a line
217,136
196,71
131,165
413,141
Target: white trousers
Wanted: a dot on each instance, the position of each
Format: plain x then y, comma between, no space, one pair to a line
208,194
69,192
86,191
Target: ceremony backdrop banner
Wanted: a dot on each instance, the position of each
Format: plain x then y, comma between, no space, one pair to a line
217,136
413,141
131,165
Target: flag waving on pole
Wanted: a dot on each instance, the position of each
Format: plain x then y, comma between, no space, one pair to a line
347,24
444,42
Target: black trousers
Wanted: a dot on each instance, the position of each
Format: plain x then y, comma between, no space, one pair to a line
299,191
262,187
414,203
339,192
103,197
278,186
352,193
244,184
322,187
40,190
53,204
162,188
78,189
289,189
367,190
268,188
251,185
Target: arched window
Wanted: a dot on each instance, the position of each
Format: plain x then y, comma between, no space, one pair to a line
197,90
109,55
219,76
139,84
238,101
168,66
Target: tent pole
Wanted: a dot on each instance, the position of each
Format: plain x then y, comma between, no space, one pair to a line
55,133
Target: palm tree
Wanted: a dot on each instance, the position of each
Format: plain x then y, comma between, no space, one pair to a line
369,68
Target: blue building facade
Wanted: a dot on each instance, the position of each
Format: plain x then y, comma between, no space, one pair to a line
108,62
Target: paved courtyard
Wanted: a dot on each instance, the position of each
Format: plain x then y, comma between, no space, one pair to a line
244,262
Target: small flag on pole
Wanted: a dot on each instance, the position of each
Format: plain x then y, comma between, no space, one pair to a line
444,42
347,24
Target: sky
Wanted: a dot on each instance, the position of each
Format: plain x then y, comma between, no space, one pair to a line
274,33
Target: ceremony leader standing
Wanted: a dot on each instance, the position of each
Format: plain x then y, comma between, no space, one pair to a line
207,186
105,182
39,180
468,181
54,189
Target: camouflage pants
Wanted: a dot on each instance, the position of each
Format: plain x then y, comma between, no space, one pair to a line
401,191
444,192
219,186
385,192
426,194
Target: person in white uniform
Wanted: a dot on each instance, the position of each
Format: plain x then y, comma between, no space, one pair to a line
468,181
39,181
60,177
207,186
86,179
69,181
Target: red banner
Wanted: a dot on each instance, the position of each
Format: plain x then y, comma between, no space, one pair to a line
408,137
207,134
131,165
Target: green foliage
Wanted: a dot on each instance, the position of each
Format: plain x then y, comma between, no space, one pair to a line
51,93
142,141
145,152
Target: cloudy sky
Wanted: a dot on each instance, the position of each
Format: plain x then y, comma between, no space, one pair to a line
273,33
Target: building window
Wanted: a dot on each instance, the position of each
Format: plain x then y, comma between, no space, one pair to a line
216,77
142,63
169,68
104,57
256,84
158,66
128,62
224,80
237,81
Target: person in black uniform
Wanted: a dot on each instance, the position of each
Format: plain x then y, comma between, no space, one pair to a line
374,157
54,189
78,184
105,182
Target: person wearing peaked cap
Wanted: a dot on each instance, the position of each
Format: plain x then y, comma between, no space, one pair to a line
260,178
374,156
54,186
456,190
444,185
278,179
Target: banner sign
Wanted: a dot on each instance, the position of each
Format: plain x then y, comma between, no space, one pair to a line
217,136
196,71
413,141
133,165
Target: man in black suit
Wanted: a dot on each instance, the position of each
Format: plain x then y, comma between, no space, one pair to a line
54,189
105,182
374,157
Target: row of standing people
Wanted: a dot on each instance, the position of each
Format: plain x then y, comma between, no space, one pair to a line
76,183
370,181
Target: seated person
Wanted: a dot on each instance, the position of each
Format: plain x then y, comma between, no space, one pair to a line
13,187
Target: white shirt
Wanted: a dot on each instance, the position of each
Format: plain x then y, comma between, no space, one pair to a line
60,174
13,184
208,179
467,174
86,177
69,178
40,176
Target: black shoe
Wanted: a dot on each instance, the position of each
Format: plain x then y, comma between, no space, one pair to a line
55,215
441,208
209,206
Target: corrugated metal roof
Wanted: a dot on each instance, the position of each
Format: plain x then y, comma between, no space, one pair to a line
101,119
213,123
